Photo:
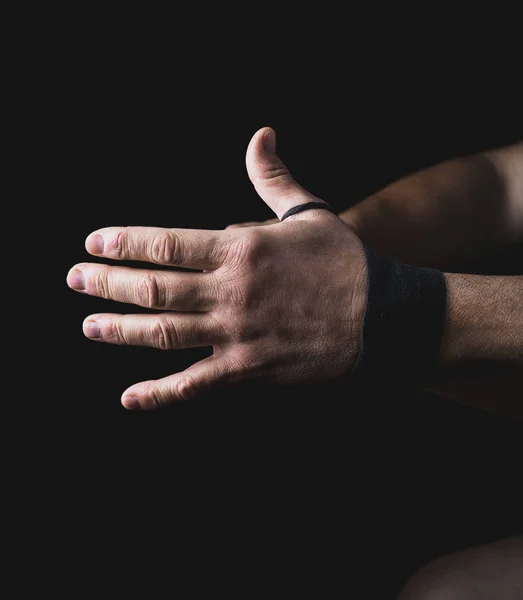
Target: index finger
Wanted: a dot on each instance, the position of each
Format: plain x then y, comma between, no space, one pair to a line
191,248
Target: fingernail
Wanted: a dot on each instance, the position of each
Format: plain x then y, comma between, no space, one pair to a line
92,330
76,281
269,141
95,244
131,403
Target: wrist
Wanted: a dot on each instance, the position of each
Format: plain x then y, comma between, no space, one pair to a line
403,321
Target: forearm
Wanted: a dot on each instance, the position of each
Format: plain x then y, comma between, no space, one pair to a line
448,214
484,320
482,348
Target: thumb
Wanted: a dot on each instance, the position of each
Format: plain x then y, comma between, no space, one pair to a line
270,176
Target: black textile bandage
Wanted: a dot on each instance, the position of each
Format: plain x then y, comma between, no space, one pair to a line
301,207
404,319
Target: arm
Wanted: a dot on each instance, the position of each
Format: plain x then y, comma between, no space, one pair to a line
484,319
448,214
445,215
283,303
442,217
482,349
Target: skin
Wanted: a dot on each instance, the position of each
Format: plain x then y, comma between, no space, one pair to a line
284,302
443,217
266,302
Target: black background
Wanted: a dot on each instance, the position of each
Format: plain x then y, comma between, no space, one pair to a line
143,124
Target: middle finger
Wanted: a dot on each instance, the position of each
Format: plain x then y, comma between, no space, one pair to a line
162,290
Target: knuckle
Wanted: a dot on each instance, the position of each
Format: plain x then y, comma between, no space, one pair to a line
251,246
272,175
255,239
100,283
237,298
164,335
185,388
149,292
247,246
240,299
243,362
114,333
165,248
220,324
120,245
156,398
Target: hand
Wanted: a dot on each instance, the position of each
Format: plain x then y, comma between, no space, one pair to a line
283,303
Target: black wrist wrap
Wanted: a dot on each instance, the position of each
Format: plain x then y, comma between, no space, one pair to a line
404,319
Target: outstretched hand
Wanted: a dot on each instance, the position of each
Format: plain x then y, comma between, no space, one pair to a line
283,302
